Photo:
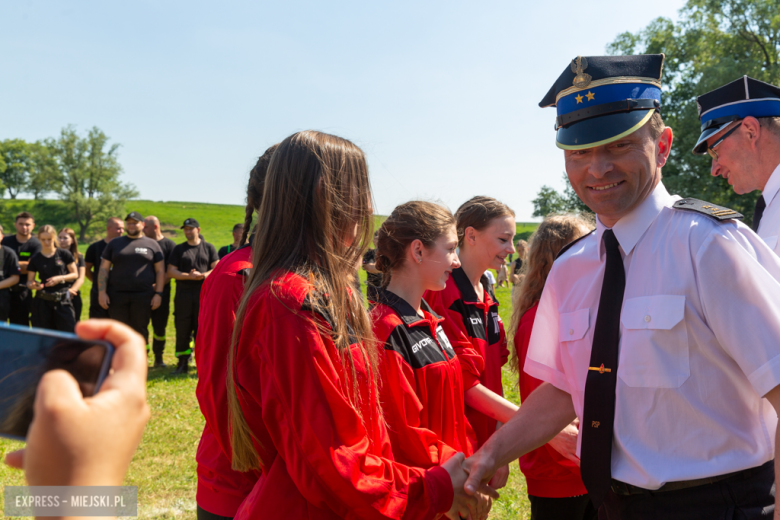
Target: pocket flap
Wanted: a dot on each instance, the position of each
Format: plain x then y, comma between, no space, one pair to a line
653,312
574,325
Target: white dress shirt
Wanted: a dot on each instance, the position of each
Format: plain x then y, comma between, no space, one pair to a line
699,346
770,222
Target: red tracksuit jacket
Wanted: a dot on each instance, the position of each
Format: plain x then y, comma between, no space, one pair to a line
319,459
477,335
421,384
220,489
547,472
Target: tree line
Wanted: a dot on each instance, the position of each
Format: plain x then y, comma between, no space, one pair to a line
83,171
713,43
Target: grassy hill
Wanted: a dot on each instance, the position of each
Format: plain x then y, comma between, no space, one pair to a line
164,466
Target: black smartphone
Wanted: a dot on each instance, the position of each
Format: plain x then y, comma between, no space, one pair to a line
26,354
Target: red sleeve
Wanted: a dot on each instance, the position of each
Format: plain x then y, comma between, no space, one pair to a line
522,338
295,375
471,361
412,443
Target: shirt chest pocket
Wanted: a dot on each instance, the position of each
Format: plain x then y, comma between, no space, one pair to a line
654,344
575,340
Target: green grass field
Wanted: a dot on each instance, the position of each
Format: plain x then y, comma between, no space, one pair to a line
164,466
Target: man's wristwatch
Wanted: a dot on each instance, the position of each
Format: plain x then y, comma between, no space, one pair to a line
158,293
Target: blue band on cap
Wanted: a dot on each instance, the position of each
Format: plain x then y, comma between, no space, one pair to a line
749,107
606,94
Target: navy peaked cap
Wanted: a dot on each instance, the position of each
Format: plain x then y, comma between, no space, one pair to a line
734,101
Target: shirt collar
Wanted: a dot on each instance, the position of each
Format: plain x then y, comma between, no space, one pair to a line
629,229
467,292
772,186
401,307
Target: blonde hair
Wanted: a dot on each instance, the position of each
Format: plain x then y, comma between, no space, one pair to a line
316,191
46,228
555,232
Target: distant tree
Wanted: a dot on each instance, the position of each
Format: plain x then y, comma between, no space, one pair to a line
2,170
714,42
548,201
43,176
14,153
89,173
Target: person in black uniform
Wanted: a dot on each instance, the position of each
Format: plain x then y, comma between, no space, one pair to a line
25,246
238,232
190,264
9,277
160,314
67,238
373,275
133,287
52,307
115,227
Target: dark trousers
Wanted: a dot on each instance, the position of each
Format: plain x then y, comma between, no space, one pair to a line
77,305
567,508
95,310
134,309
746,496
53,315
21,305
5,304
205,515
160,321
186,308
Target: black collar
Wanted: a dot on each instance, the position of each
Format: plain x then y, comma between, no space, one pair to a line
401,307
466,289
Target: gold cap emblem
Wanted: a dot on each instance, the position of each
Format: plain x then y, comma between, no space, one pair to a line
578,65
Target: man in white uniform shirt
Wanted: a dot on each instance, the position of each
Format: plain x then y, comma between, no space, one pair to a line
740,125
659,330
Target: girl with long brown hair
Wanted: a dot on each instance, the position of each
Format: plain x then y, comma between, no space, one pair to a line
67,237
56,270
552,472
486,228
302,367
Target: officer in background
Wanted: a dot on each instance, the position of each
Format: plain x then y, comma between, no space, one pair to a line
132,277
190,263
658,330
9,277
115,227
740,129
25,246
238,232
160,314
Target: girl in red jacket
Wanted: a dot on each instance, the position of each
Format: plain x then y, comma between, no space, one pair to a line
302,367
220,488
486,228
552,472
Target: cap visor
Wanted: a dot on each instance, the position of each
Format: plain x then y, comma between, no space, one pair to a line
601,130
701,145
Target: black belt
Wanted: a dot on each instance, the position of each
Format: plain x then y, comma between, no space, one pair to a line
18,288
621,488
52,297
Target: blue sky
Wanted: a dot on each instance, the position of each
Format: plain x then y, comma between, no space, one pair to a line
442,96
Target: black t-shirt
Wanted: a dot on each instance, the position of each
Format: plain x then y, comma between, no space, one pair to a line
518,264
132,264
9,265
166,245
94,255
186,258
48,267
374,279
24,251
224,251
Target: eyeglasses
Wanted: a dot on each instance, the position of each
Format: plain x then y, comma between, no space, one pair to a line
711,149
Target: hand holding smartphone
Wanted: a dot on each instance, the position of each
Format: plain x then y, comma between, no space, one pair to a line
77,440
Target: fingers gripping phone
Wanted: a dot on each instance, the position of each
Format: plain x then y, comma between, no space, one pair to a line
26,354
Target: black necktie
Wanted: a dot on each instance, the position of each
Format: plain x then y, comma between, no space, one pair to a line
599,412
758,212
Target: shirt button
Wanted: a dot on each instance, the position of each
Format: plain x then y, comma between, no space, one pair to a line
647,319
571,332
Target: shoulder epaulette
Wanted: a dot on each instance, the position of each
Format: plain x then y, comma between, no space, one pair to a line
570,244
719,213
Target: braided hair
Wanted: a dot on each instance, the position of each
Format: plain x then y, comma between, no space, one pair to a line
254,190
